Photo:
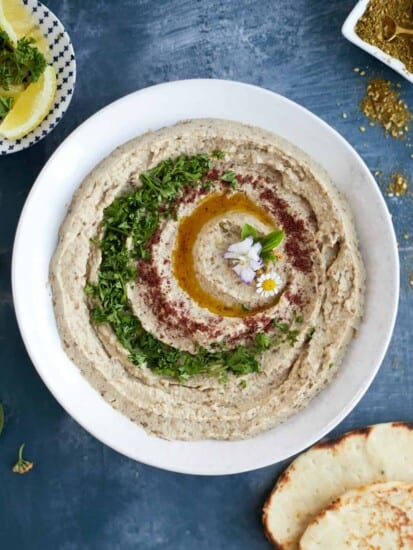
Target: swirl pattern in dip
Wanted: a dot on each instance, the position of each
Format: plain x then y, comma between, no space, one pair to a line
262,358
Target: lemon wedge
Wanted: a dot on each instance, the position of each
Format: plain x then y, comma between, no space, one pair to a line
31,106
17,22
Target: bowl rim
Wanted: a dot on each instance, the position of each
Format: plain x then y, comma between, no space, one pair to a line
219,469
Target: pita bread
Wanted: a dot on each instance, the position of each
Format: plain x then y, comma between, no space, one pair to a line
382,452
378,516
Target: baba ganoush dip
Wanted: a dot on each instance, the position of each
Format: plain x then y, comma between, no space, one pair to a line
207,280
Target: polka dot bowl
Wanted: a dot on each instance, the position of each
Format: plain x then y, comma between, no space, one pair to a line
62,57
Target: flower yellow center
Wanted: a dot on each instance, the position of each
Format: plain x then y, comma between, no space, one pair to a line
268,284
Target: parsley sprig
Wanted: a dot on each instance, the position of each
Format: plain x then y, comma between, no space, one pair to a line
6,103
21,64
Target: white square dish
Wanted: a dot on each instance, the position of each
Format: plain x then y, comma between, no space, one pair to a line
349,32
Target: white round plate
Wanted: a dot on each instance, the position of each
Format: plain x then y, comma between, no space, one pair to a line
62,57
36,238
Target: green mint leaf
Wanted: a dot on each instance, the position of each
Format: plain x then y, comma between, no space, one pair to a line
244,307
268,256
248,231
272,240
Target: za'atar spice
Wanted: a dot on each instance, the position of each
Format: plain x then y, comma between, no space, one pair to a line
398,186
371,28
383,104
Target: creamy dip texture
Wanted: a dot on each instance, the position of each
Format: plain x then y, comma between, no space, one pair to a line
184,296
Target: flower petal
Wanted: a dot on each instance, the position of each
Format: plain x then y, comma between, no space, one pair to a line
256,264
256,248
231,256
245,272
243,247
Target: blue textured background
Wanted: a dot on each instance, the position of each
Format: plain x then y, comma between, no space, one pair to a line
82,495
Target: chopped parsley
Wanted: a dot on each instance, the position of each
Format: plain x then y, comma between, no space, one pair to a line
134,218
310,333
290,335
21,64
231,178
137,216
283,327
218,154
6,103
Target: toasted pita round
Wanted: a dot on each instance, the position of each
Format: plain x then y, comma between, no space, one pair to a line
378,516
383,452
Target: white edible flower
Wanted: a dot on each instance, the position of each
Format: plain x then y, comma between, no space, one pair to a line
247,256
269,284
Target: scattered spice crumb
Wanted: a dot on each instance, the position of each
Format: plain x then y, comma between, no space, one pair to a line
382,103
362,73
406,236
362,128
356,69
344,115
398,186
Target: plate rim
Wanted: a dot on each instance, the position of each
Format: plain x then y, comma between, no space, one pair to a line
350,405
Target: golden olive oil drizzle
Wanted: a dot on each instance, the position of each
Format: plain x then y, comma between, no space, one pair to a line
188,230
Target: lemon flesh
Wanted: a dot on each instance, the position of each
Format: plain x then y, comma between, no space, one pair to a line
17,22
31,106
